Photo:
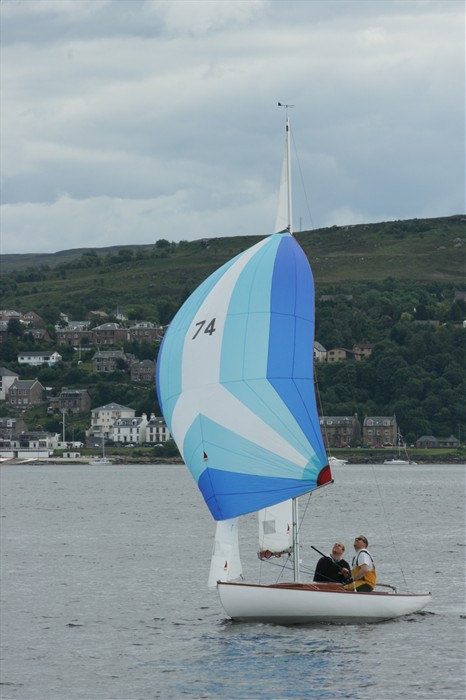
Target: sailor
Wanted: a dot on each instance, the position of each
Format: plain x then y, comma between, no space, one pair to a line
363,567
333,569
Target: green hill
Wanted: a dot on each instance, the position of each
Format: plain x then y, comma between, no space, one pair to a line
394,285
141,277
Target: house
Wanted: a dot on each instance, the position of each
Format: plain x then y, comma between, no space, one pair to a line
144,330
157,431
41,357
130,430
39,335
110,360
35,440
71,401
29,445
362,350
143,371
427,441
340,431
8,426
8,314
25,392
7,377
79,325
379,431
109,334
320,353
339,355
32,318
103,418
451,441
73,334
97,314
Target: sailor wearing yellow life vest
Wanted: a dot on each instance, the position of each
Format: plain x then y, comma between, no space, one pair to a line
362,568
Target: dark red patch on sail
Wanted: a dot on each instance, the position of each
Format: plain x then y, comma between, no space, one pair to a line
325,476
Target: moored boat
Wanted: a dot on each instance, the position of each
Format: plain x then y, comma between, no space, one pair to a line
336,462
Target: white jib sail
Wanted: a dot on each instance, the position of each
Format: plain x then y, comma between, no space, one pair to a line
225,564
275,530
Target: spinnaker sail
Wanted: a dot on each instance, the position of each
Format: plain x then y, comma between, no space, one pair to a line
235,381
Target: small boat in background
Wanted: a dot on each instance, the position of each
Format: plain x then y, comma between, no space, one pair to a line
336,462
403,457
100,461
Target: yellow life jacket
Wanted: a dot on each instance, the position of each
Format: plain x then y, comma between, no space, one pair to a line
370,577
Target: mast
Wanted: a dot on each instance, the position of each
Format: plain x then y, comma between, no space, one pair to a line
289,228
288,163
285,209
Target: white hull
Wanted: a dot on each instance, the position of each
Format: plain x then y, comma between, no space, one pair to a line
309,604
100,461
398,461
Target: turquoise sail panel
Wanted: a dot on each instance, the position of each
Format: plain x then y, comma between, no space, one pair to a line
235,381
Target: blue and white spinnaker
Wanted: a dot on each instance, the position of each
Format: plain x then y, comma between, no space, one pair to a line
235,381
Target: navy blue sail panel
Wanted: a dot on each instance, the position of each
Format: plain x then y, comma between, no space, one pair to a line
291,342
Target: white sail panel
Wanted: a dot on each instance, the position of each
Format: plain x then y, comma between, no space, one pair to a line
275,530
225,564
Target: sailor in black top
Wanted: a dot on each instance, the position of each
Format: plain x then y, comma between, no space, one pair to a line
333,569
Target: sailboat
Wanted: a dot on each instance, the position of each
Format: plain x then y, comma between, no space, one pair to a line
337,462
99,461
235,385
403,457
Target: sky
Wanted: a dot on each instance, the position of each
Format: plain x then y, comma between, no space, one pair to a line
127,121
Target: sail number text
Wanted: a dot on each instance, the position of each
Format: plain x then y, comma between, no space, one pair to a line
210,328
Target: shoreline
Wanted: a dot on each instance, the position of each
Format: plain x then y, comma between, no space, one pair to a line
157,461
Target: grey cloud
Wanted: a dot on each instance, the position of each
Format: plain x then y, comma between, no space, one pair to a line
142,112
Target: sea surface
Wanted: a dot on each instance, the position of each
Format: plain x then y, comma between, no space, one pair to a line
104,592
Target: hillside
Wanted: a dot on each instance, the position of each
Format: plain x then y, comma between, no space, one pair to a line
76,281
396,286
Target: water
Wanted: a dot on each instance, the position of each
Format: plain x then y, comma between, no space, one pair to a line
104,589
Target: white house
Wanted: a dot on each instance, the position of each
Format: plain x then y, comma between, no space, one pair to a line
47,357
29,445
103,418
130,430
35,440
6,380
157,431
320,353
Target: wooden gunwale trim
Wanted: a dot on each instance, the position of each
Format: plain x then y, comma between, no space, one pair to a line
325,588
